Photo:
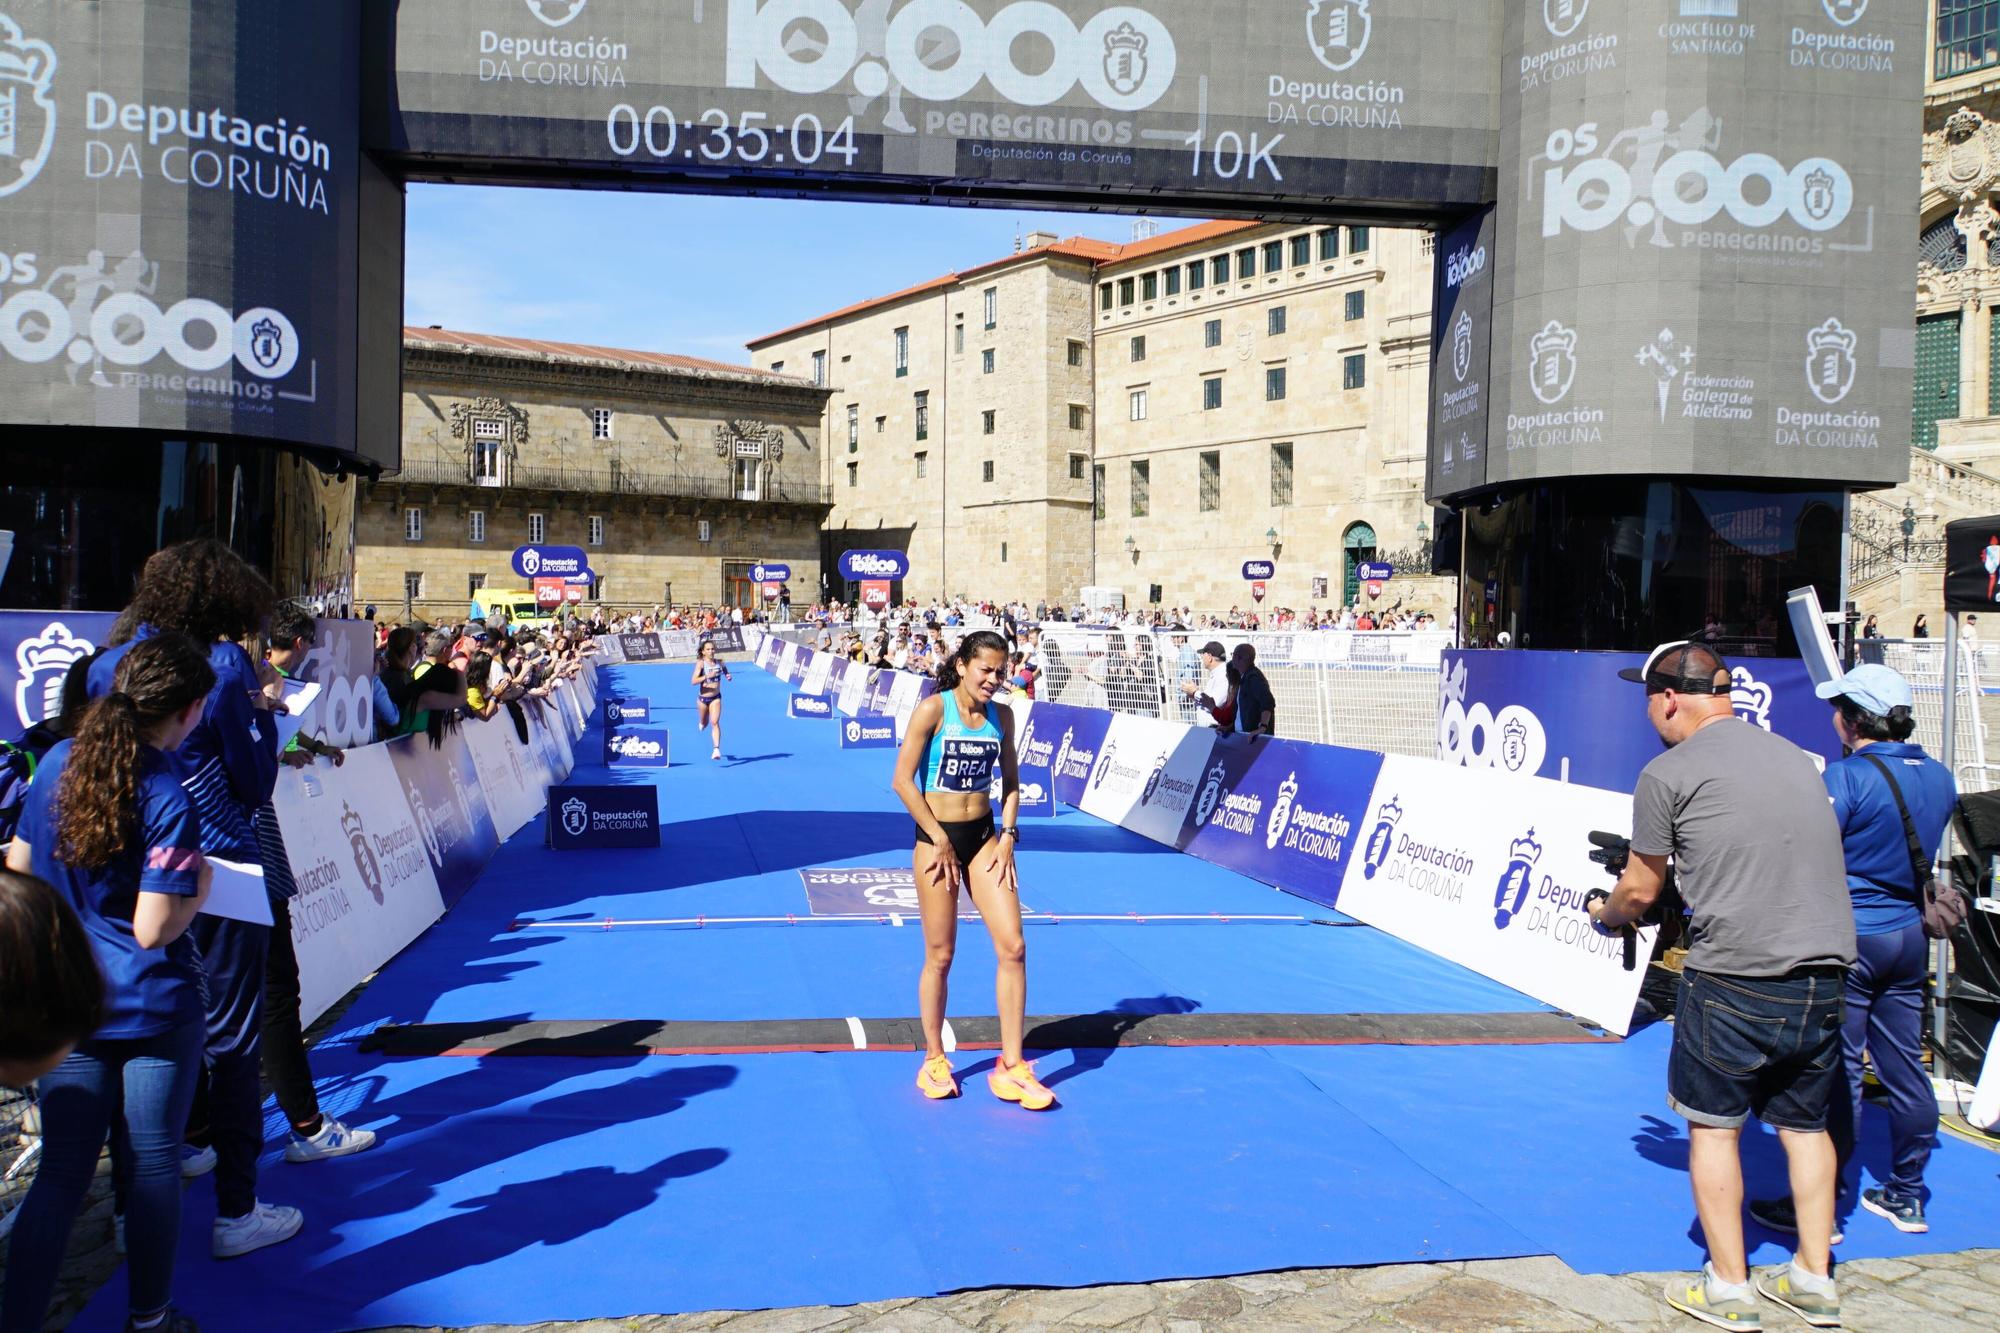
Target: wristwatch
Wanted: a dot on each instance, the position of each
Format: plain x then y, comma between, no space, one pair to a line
1013,829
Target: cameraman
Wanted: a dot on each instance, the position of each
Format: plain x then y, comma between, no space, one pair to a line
1744,816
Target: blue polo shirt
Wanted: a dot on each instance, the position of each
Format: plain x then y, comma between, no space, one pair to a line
148,991
1871,832
229,762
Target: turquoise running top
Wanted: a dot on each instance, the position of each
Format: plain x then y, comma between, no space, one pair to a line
961,758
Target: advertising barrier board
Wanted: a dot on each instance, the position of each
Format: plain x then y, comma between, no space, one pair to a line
1284,812
590,817
862,733
642,747
451,813
808,706
641,648
1146,774
817,670
630,708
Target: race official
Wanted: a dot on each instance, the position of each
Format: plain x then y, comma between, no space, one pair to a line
1744,816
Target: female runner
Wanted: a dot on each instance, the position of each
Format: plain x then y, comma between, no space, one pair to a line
954,740
709,673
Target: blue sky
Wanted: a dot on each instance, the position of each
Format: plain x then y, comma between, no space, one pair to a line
683,273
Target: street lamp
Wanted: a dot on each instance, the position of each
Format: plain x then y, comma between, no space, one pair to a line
1132,548
1909,526
1277,542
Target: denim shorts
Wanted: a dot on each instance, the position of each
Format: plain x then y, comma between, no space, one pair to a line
1762,1046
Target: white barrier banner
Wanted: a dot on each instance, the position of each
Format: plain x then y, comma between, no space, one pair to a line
904,695
1146,775
505,767
854,688
366,887
609,649
816,672
1490,870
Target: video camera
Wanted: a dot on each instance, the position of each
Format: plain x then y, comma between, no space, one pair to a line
1612,851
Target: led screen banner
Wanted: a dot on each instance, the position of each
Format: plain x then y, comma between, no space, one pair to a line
1703,262
182,207
1385,101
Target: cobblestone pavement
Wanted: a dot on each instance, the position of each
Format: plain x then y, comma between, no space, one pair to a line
1941,1293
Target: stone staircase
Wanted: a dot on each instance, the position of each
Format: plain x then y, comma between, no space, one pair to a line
1895,574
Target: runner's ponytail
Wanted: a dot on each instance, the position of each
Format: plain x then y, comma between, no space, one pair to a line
97,800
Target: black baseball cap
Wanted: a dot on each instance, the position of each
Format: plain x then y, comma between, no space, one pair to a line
1668,668
1215,649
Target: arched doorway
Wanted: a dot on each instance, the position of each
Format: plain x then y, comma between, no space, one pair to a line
1358,546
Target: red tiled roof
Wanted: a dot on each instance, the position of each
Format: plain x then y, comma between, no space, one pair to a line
543,350
1094,252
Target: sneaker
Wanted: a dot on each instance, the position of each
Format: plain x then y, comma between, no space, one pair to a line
934,1080
265,1224
1821,1309
173,1322
1018,1083
716,753
1695,1298
1779,1215
196,1161
333,1140
1904,1211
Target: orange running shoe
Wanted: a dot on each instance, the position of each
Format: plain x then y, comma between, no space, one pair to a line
1017,1083
934,1080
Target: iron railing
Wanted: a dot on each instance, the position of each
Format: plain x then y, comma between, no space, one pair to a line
776,489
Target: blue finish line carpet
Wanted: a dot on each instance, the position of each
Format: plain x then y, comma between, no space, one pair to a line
518,1189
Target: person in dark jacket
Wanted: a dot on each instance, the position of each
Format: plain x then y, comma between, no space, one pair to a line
1256,706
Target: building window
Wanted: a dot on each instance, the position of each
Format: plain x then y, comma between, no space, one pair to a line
1274,256
958,335
986,361
1211,333
1274,320
1139,348
596,529
1076,419
600,423
819,369
1246,263
924,415
1003,553
1103,296
986,470
1197,274
1274,384
1220,267
853,475
1281,475
475,526
987,420
1125,291
1302,249
538,529
1211,393
489,442
1142,488
473,584
1172,277
992,301
923,464
1211,480
1968,36
413,524
1354,371
1149,287
1936,395
853,427
1138,404
881,424
1329,244
1357,240
1075,352
1357,304
902,352
777,367
1077,463
1097,491
413,585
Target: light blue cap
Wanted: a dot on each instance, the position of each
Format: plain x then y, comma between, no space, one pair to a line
1875,688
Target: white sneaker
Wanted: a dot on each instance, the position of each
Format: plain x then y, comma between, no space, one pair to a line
716,753
265,1224
333,1140
196,1161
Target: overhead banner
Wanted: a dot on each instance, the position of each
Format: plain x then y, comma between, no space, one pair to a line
1461,357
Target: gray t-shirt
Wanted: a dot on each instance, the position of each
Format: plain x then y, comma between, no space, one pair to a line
1756,849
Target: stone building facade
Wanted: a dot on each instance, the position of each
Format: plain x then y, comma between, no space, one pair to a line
983,421
676,475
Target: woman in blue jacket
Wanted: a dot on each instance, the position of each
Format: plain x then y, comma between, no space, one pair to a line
1885,990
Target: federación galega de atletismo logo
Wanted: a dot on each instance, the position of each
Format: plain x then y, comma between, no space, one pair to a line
27,106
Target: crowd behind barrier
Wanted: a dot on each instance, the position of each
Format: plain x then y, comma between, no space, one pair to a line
1484,868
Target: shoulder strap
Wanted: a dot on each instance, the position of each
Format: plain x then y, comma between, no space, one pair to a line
1918,870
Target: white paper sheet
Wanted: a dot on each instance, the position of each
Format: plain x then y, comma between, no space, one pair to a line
237,892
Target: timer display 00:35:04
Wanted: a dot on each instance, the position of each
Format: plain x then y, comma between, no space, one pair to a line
714,137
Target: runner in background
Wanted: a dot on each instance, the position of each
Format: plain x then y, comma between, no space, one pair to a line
944,773
709,673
